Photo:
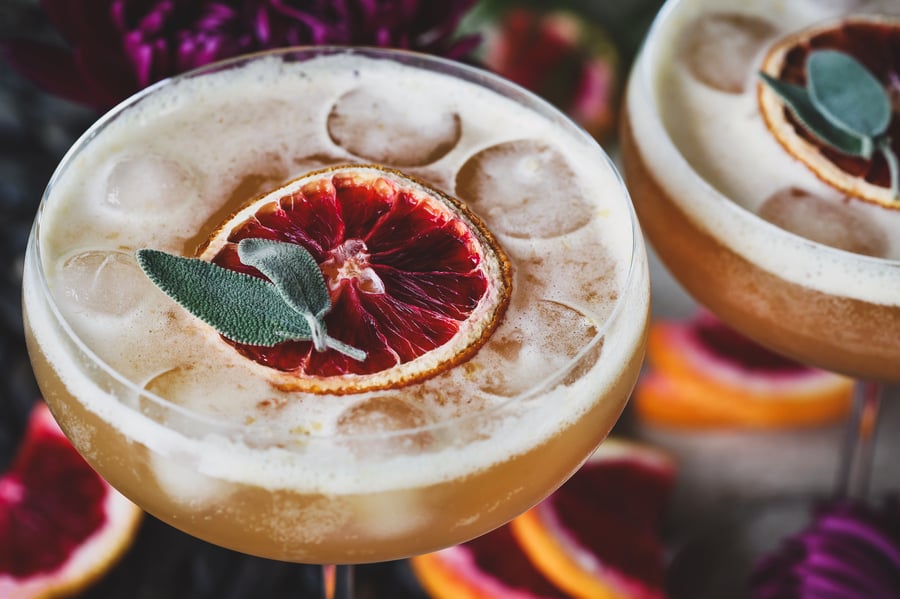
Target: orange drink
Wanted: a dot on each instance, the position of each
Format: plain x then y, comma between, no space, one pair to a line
487,268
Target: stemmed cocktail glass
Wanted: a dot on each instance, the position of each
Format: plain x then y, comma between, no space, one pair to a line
204,436
748,228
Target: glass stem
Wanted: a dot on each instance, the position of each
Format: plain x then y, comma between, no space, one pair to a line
857,453
337,582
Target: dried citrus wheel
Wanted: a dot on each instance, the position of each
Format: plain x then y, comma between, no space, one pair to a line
873,41
416,279
599,535
61,525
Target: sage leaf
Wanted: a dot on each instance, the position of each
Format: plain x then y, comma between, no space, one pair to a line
241,307
847,94
801,106
344,348
296,276
893,164
247,309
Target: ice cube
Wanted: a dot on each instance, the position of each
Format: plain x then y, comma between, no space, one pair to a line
836,223
720,49
174,386
524,189
536,340
382,125
104,282
179,477
383,420
145,184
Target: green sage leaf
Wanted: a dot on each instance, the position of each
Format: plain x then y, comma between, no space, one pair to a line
296,275
248,309
801,106
893,164
293,271
241,307
847,94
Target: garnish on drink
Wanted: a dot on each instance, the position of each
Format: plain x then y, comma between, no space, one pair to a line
839,84
347,279
61,525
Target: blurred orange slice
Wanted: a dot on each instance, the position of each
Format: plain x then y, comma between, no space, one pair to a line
598,536
492,566
704,374
61,525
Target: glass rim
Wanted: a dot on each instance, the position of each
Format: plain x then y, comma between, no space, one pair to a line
433,63
643,71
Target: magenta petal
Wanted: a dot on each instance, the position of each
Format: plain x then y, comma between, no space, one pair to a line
51,68
109,76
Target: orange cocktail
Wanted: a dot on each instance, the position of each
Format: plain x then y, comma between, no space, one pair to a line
486,279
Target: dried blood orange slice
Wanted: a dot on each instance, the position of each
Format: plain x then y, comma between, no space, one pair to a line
875,42
61,525
416,279
704,374
599,535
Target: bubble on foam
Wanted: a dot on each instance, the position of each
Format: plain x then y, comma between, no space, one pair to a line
836,224
719,49
142,184
103,283
537,339
397,126
524,188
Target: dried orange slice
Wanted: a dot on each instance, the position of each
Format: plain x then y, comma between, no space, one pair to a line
875,42
61,525
416,279
704,374
599,535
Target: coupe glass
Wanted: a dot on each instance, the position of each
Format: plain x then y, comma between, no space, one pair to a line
703,206
279,484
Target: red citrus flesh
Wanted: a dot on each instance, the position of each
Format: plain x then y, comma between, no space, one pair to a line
492,566
704,374
875,42
61,525
599,535
416,280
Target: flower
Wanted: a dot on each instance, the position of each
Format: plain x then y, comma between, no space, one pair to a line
850,551
117,47
563,57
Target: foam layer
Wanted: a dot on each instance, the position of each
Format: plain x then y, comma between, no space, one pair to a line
711,150
172,166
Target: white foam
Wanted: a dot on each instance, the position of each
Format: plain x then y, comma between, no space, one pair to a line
711,146
267,118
